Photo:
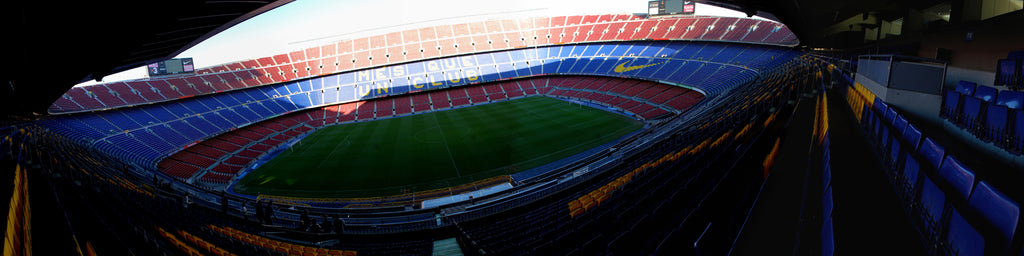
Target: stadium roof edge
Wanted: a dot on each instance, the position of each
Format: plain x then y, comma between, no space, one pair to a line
56,47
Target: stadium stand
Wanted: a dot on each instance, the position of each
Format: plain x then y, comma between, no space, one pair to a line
217,160
201,118
217,148
956,210
161,153
985,112
287,67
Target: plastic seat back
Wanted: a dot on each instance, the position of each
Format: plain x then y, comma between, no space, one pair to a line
890,116
971,111
958,177
880,106
963,239
966,88
995,122
910,174
912,136
1011,99
894,153
827,203
998,209
884,137
933,203
1018,131
828,246
900,124
950,103
932,153
985,93
826,175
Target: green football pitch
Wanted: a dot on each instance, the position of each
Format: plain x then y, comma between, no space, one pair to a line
434,150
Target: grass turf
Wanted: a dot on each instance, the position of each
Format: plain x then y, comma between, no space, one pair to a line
434,150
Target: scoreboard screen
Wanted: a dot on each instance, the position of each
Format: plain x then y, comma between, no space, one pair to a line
654,8
171,67
670,7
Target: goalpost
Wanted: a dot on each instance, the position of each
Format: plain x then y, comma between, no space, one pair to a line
579,104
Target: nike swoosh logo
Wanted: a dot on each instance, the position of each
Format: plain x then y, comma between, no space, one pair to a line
623,68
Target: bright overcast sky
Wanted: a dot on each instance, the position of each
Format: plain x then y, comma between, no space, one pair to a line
305,23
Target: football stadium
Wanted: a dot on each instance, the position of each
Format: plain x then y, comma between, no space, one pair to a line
664,127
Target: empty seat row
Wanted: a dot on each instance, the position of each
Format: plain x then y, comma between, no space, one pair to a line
637,97
991,115
823,145
956,212
222,157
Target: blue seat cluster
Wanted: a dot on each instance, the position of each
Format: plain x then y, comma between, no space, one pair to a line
1010,71
956,211
828,242
993,116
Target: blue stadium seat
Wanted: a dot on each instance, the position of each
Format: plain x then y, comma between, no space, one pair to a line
950,104
154,141
966,88
159,112
865,118
883,137
985,93
140,116
932,153
1017,140
995,124
933,204
170,136
879,123
958,178
120,120
190,132
911,176
880,106
1015,55
900,125
1011,99
893,153
913,137
971,112
828,242
826,175
890,116
233,117
1001,212
827,203
962,238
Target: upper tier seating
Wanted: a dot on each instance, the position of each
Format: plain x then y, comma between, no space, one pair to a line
418,44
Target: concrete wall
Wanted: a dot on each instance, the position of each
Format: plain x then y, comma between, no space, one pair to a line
975,60
922,105
957,74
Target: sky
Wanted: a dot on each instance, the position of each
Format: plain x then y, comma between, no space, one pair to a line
306,23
